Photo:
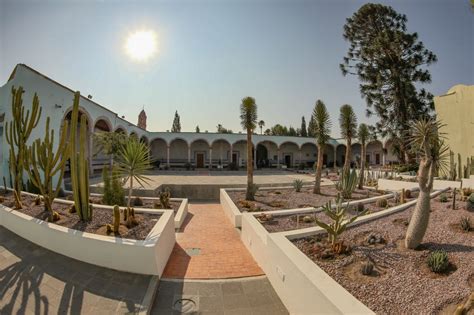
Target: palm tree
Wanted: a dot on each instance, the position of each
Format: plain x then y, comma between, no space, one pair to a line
322,130
428,143
248,120
261,124
348,125
133,163
363,135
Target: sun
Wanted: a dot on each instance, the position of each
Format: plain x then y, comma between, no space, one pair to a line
141,45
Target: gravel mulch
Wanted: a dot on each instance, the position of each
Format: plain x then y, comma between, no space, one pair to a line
277,199
402,283
147,203
100,218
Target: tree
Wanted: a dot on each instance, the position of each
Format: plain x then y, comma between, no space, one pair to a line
292,132
267,132
363,135
428,142
221,129
133,164
322,131
176,123
279,130
303,131
110,143
197,129
391,64
348,125
261,124
248,120
311,127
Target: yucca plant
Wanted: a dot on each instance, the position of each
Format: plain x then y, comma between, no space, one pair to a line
347,184
134,162
427,141
44,164
297,185
339,220
322,132
248,120
348,125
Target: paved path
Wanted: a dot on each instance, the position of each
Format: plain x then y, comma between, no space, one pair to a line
34,280
240,296
209,247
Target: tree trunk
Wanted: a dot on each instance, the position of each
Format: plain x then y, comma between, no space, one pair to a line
249,195
319,168
421,215
347,160
362,166
129,202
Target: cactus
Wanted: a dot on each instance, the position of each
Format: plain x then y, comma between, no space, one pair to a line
381,203
454,199
4,185
452,166
116,219
347,184
298,184
470,202
44,165
367,268
443,198
165,198
465,224
459,167
402,196
17,133
79,164
438,261
138,202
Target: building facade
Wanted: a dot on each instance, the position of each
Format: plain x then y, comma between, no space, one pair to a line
206,150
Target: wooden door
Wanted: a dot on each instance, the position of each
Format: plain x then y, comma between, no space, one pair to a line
200,160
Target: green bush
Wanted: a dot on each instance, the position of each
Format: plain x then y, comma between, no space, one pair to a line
470,202
382,203
438,261
465,224
443,198
113,189
407,168
298,184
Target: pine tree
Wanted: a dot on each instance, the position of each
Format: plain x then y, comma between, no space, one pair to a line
391,64
176,123
197,129
303,131
311,126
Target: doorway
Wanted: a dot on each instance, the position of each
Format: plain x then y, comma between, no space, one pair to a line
199,160
377,158
288,160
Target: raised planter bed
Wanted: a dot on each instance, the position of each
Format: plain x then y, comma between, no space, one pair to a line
304,286
146,251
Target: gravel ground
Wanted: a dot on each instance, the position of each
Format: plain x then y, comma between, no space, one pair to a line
147,203
100,218
277,199
404,284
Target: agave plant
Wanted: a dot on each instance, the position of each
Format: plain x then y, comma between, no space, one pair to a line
134,162
347,184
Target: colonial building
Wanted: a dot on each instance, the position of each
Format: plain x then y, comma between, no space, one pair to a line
203,150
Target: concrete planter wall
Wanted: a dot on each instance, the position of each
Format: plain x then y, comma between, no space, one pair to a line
437,184
301,284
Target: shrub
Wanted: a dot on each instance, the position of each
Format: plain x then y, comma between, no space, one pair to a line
138,202
298,184
360,207
443,198
367,268
113,190
165,196
465,224
470,202
382,203
438,261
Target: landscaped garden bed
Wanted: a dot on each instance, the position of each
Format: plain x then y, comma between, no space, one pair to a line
401,279
287,198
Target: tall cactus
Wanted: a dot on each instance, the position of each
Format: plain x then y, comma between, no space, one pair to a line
347,184
17,133
452,166
79,164
460,175
45,164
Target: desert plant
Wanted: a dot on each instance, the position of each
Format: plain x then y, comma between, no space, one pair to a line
134,162
116,223
107,190
360,207
138,202
443,198
407,193
465,224
367,268
381,203
17,133
339,220
460,173
31,188
297,185
38,200
438,261
322,131
109,143
117,196
248,120
452,167
165,196
79,163
348,126
427,140
363,135
470,202
44,164
347,183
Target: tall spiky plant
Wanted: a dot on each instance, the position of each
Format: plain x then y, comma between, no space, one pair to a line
261,124
427,141
363,135
248,120
348,125
45,164
133,163
322,130
17,133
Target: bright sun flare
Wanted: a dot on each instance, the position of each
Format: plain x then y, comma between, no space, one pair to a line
141,45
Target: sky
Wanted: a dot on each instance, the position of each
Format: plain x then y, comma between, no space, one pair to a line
211,54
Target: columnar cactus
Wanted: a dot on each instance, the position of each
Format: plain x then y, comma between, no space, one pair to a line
460,175
17,133
116,219
452,166
44,164
79,164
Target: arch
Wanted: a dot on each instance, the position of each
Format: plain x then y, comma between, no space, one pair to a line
102,123
270,158
356,152
82,111
220,139
340,154
144,139
134,134
374,152
239,152
200,153
289,154
309,153
178,151
221,154
200,139
158,150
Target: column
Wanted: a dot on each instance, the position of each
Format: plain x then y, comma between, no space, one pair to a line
168,155
230,154
210,157
300,157
335,157
255,157
383,157
278,158
189,153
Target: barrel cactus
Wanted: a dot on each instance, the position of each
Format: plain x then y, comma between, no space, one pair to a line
470,202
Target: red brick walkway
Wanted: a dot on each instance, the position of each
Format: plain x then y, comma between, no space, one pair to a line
220,254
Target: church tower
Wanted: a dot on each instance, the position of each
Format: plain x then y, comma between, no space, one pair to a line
142,119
